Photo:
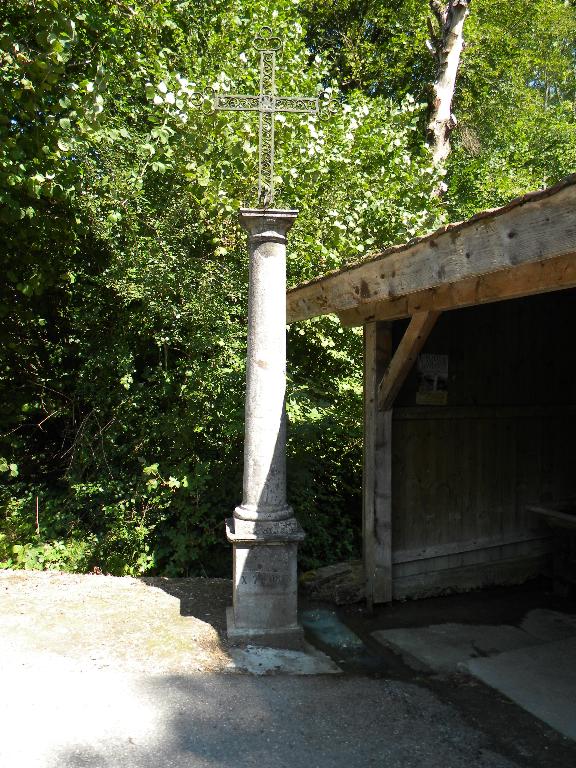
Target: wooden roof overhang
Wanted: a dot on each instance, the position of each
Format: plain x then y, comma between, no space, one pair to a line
524,248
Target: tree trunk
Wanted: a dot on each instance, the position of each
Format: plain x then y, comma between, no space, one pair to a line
446,43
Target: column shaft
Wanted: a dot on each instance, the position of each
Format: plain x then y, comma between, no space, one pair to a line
264,492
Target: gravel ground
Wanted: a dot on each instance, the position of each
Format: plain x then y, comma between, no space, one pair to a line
103,719
152,626
105,672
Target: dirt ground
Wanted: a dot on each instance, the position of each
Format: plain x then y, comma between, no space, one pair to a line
149,625
168,632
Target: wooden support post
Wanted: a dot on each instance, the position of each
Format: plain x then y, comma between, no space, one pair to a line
412,342
377,474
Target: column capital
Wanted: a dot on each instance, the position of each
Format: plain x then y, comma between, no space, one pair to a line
267,225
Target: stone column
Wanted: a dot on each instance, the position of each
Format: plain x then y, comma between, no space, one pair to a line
263,531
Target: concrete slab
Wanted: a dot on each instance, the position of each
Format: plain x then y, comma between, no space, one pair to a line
445,647
541,679
258,660
547,626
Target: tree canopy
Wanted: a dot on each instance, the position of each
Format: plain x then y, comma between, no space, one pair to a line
123,296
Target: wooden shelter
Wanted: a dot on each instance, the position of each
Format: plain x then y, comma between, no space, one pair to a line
459,445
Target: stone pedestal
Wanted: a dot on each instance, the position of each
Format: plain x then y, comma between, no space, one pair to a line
263,531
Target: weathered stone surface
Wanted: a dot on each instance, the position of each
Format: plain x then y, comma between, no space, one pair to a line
342,584
264,491
541,679
448,647
265,591
273,661
291,637
263,531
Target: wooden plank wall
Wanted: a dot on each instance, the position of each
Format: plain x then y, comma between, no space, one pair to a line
377,469
462,474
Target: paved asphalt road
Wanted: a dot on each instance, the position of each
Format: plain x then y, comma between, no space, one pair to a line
53,717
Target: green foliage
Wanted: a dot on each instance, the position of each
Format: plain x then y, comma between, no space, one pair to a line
378,46
516,90
125,298
515,104
325,438
124,275
24,545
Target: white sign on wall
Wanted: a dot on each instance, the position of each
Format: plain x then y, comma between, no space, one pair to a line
433,379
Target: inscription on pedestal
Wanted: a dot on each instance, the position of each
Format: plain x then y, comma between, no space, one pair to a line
266,569
265,579
280,528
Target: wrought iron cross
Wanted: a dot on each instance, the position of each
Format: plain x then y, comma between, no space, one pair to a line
267,104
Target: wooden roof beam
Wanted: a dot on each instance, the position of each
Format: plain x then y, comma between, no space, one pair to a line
532,229
526,280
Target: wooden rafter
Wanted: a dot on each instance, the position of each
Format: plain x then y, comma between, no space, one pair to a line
404,358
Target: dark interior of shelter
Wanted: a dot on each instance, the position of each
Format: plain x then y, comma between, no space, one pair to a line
483,450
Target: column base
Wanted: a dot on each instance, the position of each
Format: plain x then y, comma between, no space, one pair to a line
265,582
279,637
264,531
253,513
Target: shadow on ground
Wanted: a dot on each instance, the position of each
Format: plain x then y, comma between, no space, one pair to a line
392,716
204,599
281,722
384,713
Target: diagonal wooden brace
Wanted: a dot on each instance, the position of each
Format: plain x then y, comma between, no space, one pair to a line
412,342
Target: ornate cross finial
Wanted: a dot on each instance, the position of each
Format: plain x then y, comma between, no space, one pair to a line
267,104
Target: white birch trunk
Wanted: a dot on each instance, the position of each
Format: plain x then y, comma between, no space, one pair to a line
446,46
